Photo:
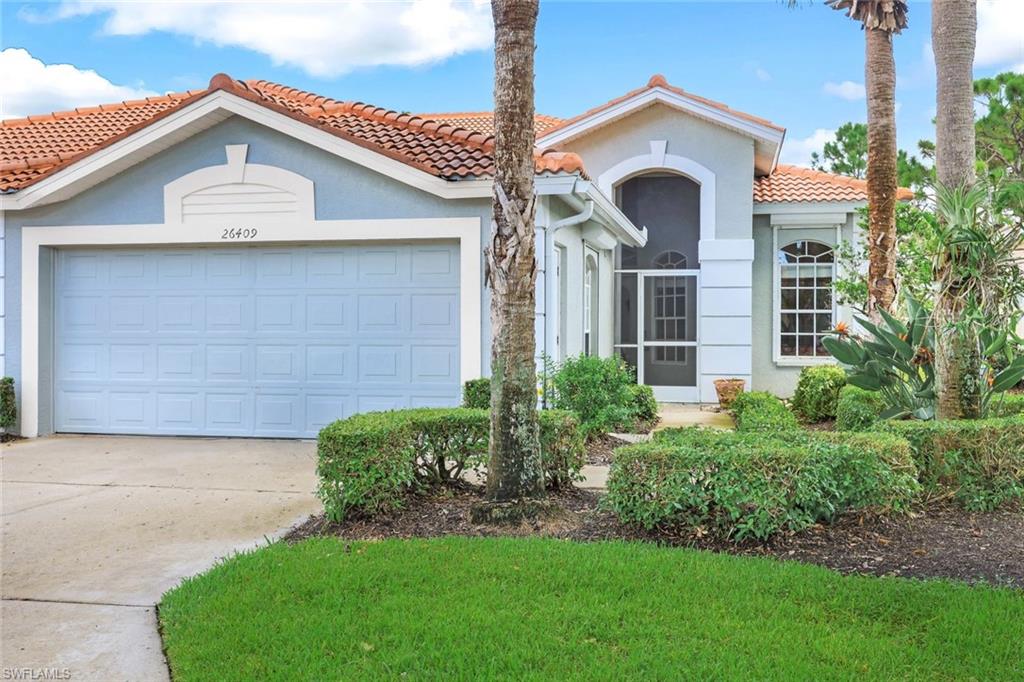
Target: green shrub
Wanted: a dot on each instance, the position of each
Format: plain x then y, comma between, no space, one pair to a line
858,409
368,463
644,405
1006,405
476,394
8,405
761,411
561,447
599,390
754,485
817,392
980,462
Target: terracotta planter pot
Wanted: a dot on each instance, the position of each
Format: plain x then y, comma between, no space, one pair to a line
728,389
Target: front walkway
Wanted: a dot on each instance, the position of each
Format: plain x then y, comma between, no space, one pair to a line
96,529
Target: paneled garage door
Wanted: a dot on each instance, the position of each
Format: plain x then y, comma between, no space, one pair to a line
252,340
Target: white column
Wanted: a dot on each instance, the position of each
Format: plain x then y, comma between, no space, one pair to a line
726,328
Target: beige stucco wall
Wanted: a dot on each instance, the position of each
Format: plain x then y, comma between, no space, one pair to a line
729,155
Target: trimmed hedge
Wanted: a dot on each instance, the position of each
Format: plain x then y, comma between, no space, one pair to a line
1006,405
368,463
817,392
8,405
858,410
476,394
754,485
980,462
763,412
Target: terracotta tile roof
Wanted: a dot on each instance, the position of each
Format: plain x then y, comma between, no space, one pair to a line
32,148
796,184
483,121
658,81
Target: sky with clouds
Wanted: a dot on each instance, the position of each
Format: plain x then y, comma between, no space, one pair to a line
802,68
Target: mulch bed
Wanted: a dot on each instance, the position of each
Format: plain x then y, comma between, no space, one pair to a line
599,450
938,541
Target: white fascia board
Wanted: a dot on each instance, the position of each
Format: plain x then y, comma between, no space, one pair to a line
655,95
610,215
224,103
798,207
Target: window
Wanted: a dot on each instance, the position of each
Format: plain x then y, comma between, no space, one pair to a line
588,289
806,314
670,260
669,307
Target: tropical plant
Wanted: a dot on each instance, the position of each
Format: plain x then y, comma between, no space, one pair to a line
958,364
515,471
880,19
895,360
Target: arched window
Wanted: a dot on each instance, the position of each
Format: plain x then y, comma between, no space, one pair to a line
805,298
669,260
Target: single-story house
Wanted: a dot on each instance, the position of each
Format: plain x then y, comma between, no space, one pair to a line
255,260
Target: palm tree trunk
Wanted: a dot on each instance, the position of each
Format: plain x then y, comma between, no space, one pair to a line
880,79
957,358
515,471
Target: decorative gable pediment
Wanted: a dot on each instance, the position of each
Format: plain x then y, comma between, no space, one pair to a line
238,190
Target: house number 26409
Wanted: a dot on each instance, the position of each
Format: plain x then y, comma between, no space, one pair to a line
238,233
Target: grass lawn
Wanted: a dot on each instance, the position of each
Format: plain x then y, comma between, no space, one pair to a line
471,609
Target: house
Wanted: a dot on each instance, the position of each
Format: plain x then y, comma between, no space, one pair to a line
255,260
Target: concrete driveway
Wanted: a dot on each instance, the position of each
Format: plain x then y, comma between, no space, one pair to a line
96,529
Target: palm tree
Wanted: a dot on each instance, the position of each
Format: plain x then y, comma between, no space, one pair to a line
515,472
880,19
957,358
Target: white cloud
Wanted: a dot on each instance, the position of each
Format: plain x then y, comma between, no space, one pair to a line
762,74
1000,34
846,90
31,87
797,151
322,38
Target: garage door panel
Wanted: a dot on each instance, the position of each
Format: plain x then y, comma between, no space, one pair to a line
434,364
131,409
232,313
133,362
250,340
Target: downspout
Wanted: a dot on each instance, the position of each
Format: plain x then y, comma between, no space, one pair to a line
549,249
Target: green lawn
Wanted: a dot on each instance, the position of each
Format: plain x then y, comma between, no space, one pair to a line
472,609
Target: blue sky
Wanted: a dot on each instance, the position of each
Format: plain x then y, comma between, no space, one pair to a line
802,68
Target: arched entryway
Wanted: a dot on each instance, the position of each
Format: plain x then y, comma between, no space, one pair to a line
657,285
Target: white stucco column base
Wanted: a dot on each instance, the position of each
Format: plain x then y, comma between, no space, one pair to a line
726,327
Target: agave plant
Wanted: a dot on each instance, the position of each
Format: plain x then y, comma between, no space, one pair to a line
896,359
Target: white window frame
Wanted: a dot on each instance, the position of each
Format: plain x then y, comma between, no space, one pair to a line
798,360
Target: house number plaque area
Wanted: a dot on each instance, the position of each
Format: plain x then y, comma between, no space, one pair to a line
238,233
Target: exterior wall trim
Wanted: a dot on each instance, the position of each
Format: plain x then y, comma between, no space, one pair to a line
658,160
465,230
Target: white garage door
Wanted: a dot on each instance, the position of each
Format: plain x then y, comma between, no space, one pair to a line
252,340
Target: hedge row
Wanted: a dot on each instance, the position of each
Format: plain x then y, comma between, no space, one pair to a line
817,392
980,462
753,485
857,409
760,411
368,463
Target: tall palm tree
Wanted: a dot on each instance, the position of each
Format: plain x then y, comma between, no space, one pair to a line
880,19
514,473
957,358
